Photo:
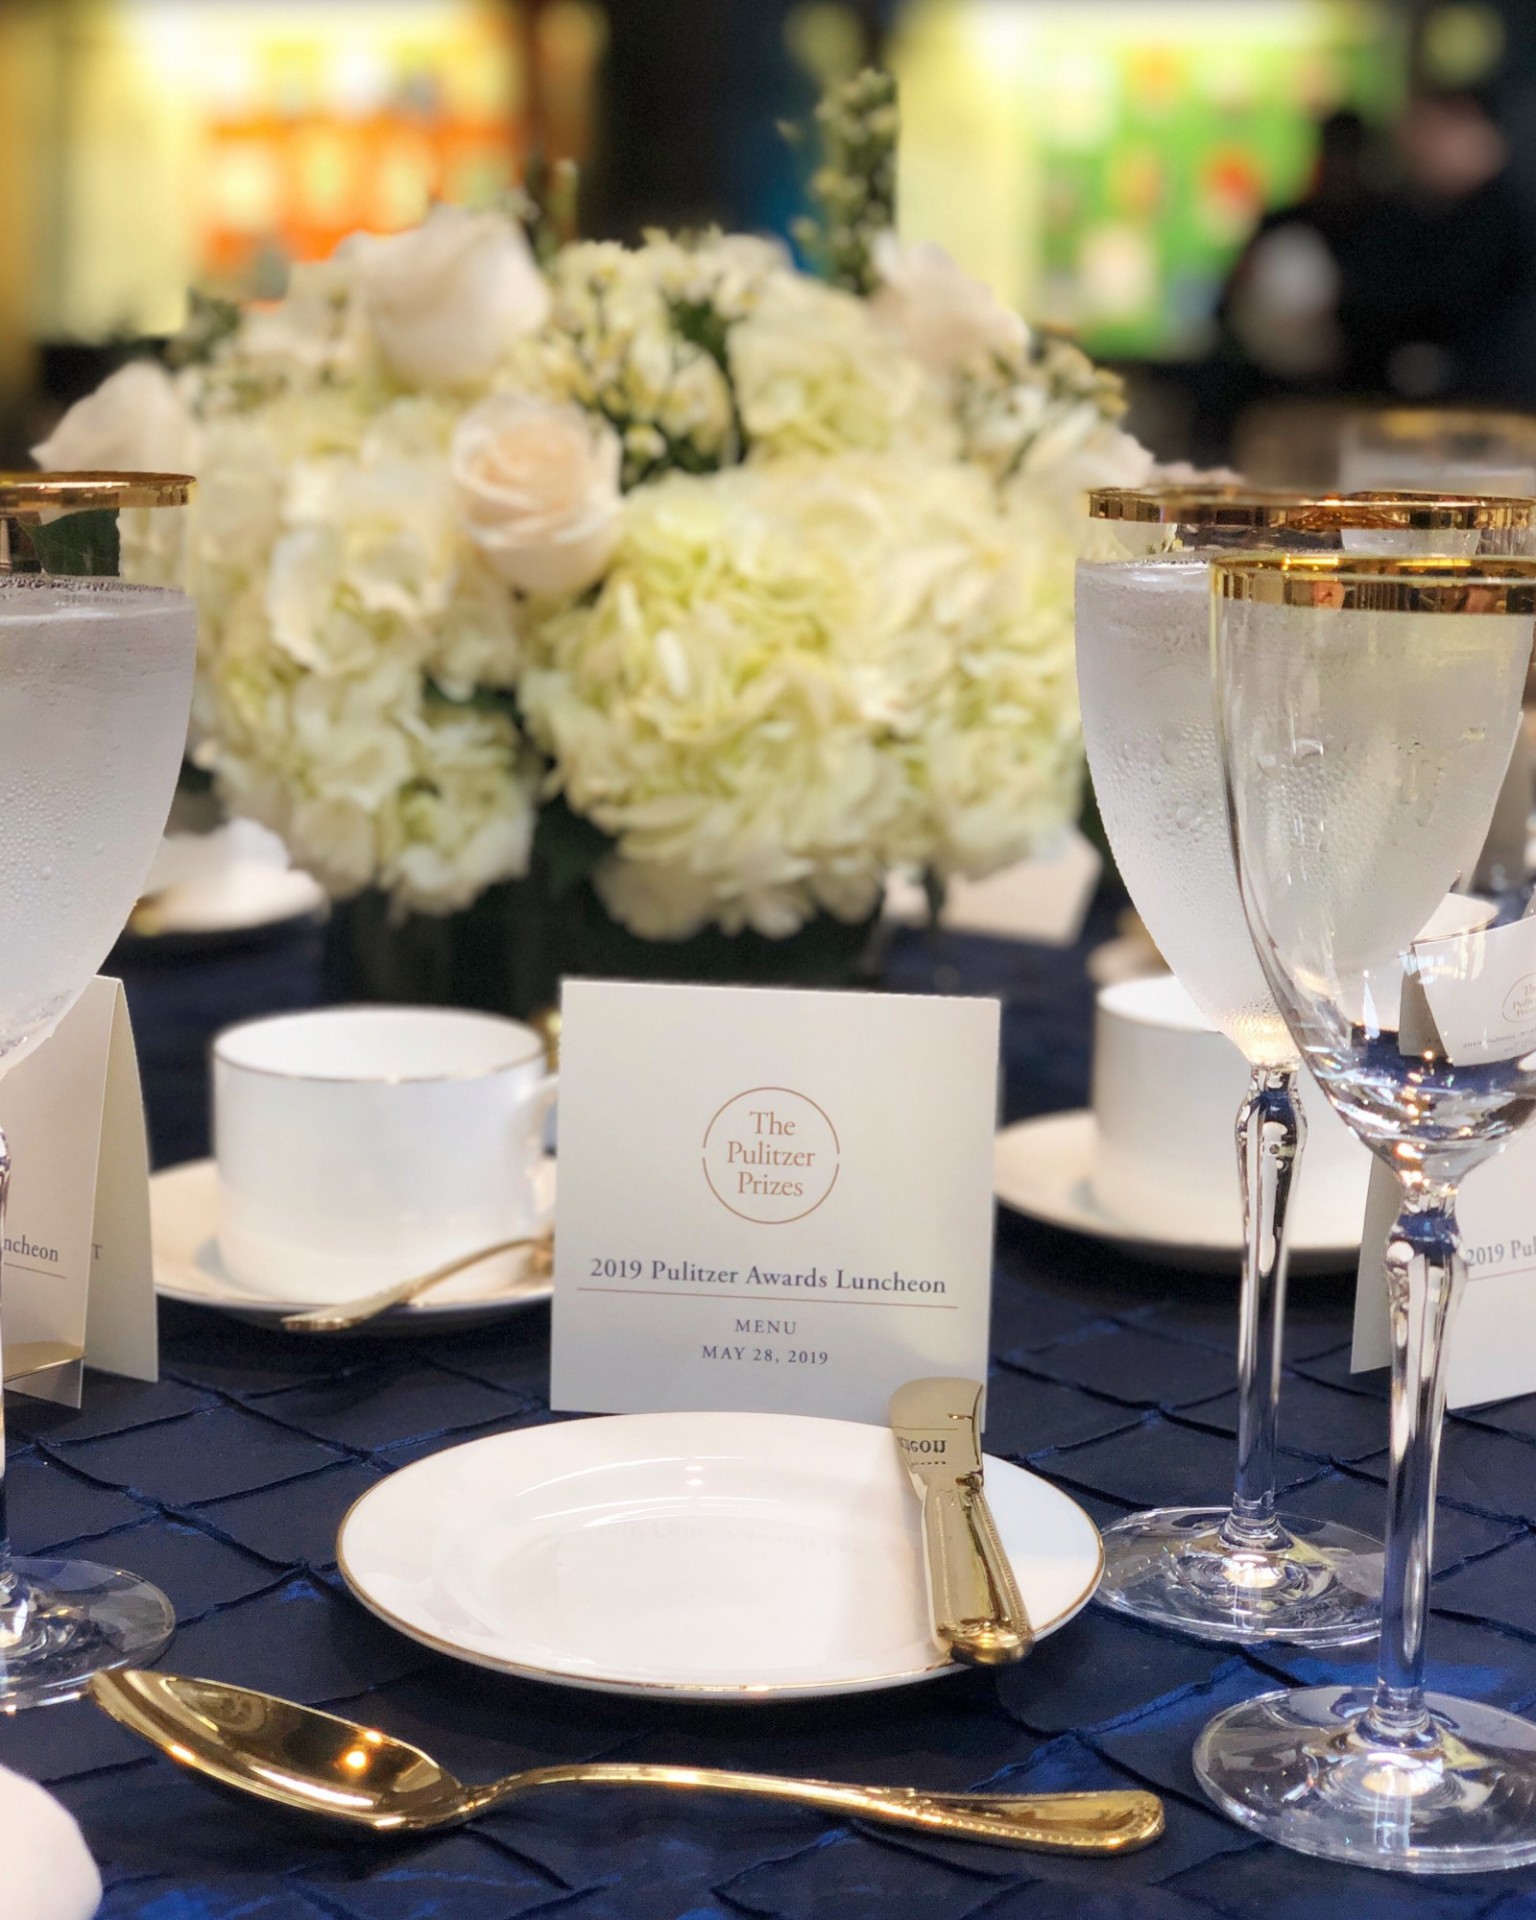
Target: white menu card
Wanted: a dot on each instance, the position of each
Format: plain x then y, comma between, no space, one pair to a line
770,1200
79,1288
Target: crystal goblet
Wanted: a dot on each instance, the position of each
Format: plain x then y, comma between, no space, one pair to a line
95,690
1366,711
1245,1572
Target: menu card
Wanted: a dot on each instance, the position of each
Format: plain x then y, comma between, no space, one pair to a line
79,1287
771,1201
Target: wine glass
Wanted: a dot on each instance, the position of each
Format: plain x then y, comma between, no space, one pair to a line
1366,709
1242,1573
95,691
1469,451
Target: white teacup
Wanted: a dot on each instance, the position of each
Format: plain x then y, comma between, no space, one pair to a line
1166,1090
359,1146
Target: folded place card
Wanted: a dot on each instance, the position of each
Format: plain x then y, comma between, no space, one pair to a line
1491,1354
770,1201
1471,1014
1044,900
78,1283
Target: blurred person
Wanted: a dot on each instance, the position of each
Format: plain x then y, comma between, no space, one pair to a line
1302,308
1292,300
1462,274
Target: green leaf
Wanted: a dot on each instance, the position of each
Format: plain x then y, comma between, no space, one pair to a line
79,543
570,848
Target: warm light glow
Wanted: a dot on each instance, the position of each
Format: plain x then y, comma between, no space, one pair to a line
212,144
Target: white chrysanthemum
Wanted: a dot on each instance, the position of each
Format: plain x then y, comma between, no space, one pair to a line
800,674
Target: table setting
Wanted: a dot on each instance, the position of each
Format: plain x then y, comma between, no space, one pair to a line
869,1423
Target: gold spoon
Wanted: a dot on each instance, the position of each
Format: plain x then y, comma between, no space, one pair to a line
316,1763
347,1314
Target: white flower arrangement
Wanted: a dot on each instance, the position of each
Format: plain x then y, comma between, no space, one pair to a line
767,579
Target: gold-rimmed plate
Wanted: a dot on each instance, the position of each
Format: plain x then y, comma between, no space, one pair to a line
723,1557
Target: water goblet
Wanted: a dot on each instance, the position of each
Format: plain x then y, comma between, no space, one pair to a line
1366,709
95,690
1244,1573
1461,450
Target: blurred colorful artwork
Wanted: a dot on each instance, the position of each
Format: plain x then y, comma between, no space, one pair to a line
313,118
1118,153
214,142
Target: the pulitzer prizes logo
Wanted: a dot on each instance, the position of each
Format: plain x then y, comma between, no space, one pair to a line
1520,1004
771,1155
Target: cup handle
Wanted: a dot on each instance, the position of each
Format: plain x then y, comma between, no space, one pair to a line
536,1108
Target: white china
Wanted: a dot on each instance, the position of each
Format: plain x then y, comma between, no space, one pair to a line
234,879
700,1556
1044,1169
242,897
184,1220
359,1146
1173,1175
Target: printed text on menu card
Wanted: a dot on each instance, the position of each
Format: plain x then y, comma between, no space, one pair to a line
776,1201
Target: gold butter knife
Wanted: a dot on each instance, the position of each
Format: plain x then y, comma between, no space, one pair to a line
974,1602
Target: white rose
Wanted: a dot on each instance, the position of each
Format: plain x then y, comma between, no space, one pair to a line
539,487
941,315
446,301
134,422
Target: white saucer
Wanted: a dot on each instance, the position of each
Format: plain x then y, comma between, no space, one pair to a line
1044,1168
237,898
701,1556
184,1225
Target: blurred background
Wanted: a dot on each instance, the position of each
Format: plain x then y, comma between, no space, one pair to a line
1254,208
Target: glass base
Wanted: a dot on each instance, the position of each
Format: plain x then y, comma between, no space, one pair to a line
68,1619
1295,1768
1319,1586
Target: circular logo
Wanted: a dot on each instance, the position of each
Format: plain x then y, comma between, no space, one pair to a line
1520,1001
771,1155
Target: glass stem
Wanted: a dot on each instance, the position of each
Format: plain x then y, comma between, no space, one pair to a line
1270,1135
1424,1281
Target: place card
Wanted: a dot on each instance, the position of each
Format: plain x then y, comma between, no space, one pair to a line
1481,997
79,1286
770,1201
1491,1354
1044,900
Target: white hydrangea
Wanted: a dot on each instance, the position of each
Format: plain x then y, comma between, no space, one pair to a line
816,373
802,673
778,577
346,619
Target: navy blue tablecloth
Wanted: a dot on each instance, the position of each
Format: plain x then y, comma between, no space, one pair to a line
226,1481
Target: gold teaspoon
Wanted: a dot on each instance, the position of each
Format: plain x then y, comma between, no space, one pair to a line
313,1762
347,1314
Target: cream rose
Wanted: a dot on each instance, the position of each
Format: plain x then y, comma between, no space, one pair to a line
939,312
539,487
445,301
134,422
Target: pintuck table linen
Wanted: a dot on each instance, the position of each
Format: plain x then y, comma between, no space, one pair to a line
226,1482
